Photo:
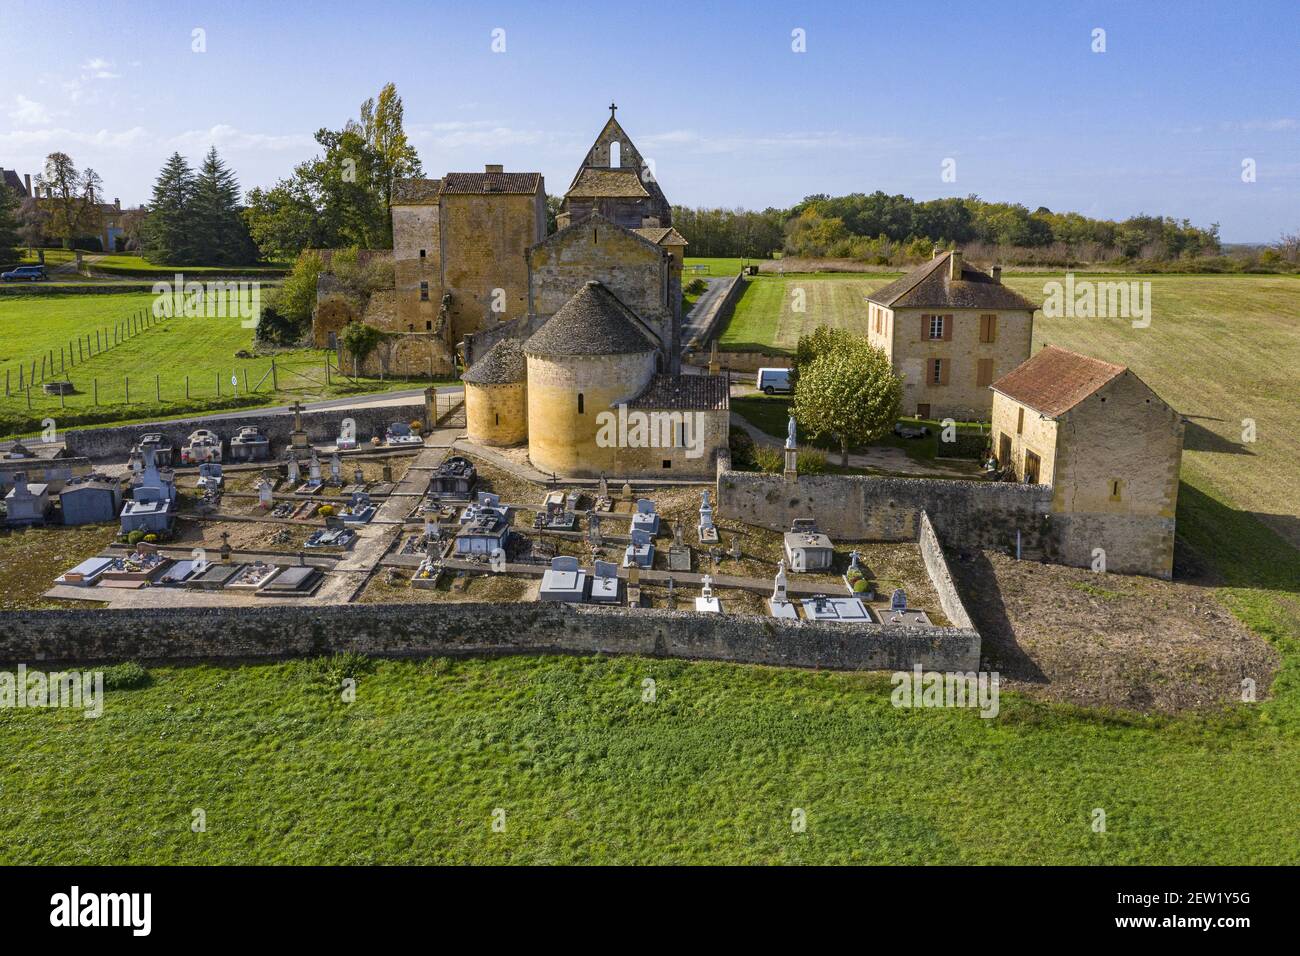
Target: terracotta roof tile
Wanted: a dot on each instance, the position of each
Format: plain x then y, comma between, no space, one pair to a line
487,183
1055,380
698,392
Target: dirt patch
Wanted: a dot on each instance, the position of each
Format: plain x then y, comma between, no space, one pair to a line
1113,640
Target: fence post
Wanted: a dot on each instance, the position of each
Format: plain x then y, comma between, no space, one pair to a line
275,381
245,379
127,380
157,388
218,385
96,385
187,388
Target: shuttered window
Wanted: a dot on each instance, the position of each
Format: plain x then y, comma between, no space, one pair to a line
988,328
984,372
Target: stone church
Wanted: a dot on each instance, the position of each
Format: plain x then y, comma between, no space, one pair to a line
553,330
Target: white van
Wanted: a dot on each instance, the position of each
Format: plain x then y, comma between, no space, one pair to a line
774,381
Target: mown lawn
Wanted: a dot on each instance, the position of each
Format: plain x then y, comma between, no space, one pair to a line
157,360
774,311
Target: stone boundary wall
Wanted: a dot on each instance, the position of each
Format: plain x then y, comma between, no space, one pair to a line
936,566
723,306
277,632
973,514
322,426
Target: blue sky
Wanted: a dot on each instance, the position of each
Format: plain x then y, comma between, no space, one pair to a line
885,92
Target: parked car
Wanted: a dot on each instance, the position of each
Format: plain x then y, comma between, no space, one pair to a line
26,274
774,381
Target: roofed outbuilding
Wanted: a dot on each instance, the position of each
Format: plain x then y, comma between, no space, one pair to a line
1055,380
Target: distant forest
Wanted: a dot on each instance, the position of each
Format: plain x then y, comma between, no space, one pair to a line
896,230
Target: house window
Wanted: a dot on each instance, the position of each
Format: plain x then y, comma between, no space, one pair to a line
938,371
667,463
1116,487
923,410
428,326
988,328
580,403
1020,421
936,326
984,372
615,154
497,418
424,292
421,253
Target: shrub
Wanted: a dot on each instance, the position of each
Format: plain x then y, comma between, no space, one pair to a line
811,462
151,537
696,287
860,586
325,510
742,450
135,537
770,459
333,670
126,676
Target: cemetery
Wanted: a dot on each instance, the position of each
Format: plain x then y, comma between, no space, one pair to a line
402,521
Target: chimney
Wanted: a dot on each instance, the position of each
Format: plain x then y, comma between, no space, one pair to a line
954,265
27,182
494,168
117,204
997,274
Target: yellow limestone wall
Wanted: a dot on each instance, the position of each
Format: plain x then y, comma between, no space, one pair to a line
485,239
962,398
496,414
561,440
1039,436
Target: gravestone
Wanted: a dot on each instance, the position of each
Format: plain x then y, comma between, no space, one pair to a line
706,603
291,468
779,603
336,469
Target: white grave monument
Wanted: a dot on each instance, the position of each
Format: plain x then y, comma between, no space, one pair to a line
706,603
779,603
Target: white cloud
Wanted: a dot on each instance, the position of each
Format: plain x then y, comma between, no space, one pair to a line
457,134
829,141
64,139
97,68
29,111
1280,125
224,136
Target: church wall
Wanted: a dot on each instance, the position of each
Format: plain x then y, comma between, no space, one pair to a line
560,438
497,414
417,228
630,268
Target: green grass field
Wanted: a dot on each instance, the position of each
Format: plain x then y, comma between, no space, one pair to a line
198,347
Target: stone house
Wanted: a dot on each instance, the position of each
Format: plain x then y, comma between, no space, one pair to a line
950,330
1109,447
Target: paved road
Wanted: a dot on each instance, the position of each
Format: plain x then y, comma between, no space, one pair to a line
693,322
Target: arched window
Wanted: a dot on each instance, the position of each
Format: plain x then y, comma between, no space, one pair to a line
616,154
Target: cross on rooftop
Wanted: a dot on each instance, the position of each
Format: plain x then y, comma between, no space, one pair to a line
612,108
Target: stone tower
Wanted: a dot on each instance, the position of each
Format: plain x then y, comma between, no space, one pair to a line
616,181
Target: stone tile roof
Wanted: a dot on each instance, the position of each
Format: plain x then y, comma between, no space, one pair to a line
696,392
416,192
487,183
1055,380
928,287
502,364
592,322
662,235
593,182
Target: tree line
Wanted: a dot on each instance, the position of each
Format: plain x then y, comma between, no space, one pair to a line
885,229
